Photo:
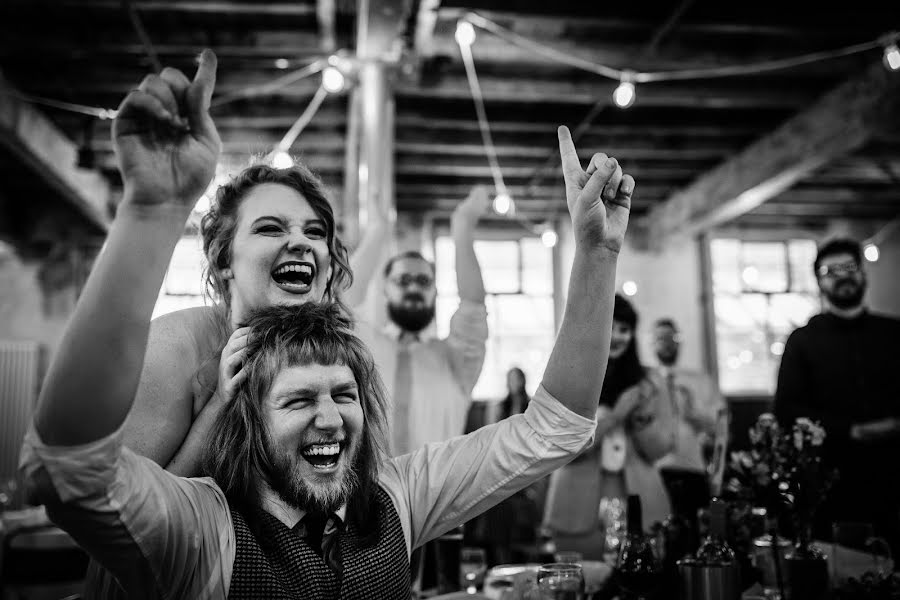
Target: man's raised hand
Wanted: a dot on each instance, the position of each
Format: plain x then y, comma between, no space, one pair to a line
166,142
599,198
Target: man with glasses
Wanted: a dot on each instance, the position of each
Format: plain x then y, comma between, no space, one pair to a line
843,369
430,380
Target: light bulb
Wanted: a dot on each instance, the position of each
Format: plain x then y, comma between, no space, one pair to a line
549,238
502,204
624,94
332,80
465,33
871,252
892,57
282,160
629,288
282,63
750,275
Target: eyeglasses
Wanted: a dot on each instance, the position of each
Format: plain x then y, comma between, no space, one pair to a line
847,268
406,280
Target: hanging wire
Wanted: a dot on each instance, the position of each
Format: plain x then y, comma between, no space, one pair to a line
276,84
483,126
655,76
303,120
129,8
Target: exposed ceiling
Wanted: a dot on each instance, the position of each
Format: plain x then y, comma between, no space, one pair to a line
689,144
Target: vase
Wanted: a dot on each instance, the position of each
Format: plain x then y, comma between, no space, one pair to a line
807,567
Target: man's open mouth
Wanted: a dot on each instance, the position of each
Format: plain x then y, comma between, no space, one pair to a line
294,277
322,456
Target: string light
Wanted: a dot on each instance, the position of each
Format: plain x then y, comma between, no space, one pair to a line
625,94
282,160
892,52
629,288
465,33
503,204
871,252
282,63
549,237
333,80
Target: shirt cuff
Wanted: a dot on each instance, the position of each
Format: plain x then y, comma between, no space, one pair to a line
471,310
553,421
75,471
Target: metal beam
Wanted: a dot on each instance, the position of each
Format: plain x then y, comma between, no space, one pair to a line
836,125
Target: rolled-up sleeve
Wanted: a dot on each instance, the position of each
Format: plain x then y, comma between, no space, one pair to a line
467,340
445,484
160,535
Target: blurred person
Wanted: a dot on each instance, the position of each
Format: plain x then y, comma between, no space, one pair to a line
841,369
697,403
301,499
517,397
430,380
635,428
516,519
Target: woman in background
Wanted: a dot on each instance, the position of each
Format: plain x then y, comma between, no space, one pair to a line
634,429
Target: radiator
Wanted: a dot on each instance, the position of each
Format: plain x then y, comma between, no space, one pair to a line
19,381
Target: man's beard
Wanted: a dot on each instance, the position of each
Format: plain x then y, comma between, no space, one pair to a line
667,357
410,318
286,479
850,299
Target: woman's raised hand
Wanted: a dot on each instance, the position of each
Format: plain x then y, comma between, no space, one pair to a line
166,142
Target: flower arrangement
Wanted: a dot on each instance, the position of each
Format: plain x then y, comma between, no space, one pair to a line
782,471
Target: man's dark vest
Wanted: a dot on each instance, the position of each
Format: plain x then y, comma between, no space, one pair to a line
280,565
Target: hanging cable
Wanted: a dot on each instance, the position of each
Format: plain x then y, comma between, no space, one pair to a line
279,156
135,18
273,86
478,98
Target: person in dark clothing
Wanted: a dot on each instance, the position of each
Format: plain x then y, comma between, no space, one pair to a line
843,369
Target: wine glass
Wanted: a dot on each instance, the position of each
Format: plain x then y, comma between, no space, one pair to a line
560,581
472,568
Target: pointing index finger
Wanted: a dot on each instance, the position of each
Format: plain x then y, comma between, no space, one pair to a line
205,78
568,156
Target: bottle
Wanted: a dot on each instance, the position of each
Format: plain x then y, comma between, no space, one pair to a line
714,550
639,570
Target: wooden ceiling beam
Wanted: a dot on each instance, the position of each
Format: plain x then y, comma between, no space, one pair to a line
841,121
278,9
495,89
47,153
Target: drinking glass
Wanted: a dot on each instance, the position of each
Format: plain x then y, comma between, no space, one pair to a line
568,556
855,547
472,567
561,581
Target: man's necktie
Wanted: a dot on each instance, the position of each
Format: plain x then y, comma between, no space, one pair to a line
322,535
402,394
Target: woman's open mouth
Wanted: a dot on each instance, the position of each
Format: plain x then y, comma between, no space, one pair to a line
294,277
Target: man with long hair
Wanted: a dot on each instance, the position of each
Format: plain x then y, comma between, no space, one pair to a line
301,501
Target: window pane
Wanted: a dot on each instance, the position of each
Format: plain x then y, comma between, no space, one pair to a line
499,262
764,266
186,268
521,336
725,257
537,267
802,255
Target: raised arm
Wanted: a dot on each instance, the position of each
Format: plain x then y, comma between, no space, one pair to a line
167,147
599,201
366,258
462,227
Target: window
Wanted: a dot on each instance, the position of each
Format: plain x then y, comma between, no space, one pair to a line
183,285
518,278
762,291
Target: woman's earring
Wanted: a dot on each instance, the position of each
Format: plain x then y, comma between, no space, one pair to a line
227,274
